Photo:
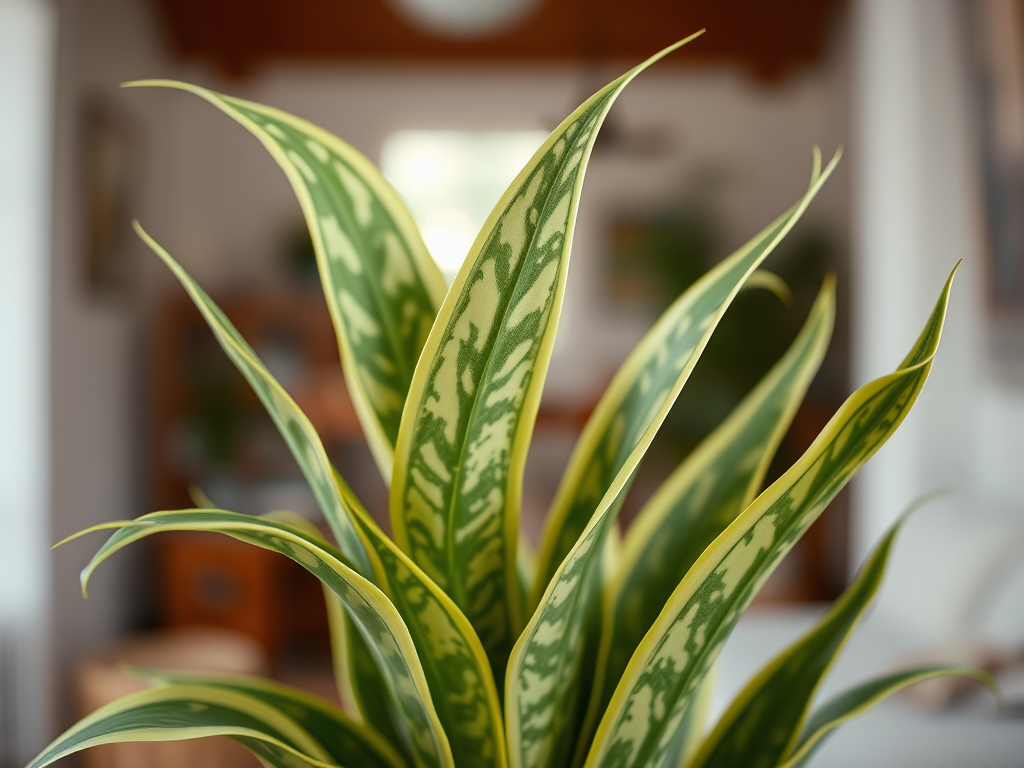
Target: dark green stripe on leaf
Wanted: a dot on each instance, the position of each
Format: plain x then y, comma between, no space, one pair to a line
673,658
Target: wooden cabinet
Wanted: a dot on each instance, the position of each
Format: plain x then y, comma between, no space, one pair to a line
210,432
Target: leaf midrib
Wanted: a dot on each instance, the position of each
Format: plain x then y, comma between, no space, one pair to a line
457,585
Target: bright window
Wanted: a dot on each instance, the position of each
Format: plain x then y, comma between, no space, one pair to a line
451,181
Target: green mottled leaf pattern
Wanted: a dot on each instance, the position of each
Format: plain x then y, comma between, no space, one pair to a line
662,677
346,742
765,719
290,421
381,285
856,701
462,448
706,493
453,659
360,684
543,685
645,381
378,621
173,713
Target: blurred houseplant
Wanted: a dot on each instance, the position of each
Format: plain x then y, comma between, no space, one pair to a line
453,645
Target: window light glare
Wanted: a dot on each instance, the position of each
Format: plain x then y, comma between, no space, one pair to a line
451,181
448,234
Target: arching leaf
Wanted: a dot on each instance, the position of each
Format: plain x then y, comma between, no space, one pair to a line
545,676
630,402
453,660
662,677
382,288
858,700
705,493
765,719
377,620
345,741
457,488
175,713
360,683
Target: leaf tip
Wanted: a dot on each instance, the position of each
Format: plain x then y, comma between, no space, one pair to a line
154,82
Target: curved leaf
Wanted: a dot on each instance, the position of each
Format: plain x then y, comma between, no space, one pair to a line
362,688
646,379
456,494
545,673
765,719
453,659
291,422
381,285
360,684
377,619
175,713
346,742
856,701
660,681
708,490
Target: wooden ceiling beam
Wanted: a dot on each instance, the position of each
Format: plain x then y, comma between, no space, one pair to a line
768,39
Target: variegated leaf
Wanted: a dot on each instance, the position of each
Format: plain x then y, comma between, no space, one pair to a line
856,701
345,741
362,688
526,566
764,720
662,677
706,493
453,659
378,621
462,447
645,381
381,285
291,422
175,713
543,686
360,683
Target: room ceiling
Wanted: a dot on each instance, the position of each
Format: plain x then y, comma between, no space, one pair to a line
768,39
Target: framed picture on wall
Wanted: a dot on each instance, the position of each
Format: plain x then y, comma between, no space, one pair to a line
998,52
108,154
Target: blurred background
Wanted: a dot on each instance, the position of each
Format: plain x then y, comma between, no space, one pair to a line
120,402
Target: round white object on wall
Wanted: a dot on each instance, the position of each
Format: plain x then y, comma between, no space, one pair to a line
464,19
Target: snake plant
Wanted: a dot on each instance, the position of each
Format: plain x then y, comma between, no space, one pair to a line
453,646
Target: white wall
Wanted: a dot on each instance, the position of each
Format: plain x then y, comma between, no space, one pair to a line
219,203
917,209
97,356
26,90
226,198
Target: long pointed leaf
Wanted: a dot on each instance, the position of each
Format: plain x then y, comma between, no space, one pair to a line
856,701
765,719
462,447
545,675
291,422
361,686
706,493
668,666
175,713
345,741
360,682
381,285
645,380
380,624
453,659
